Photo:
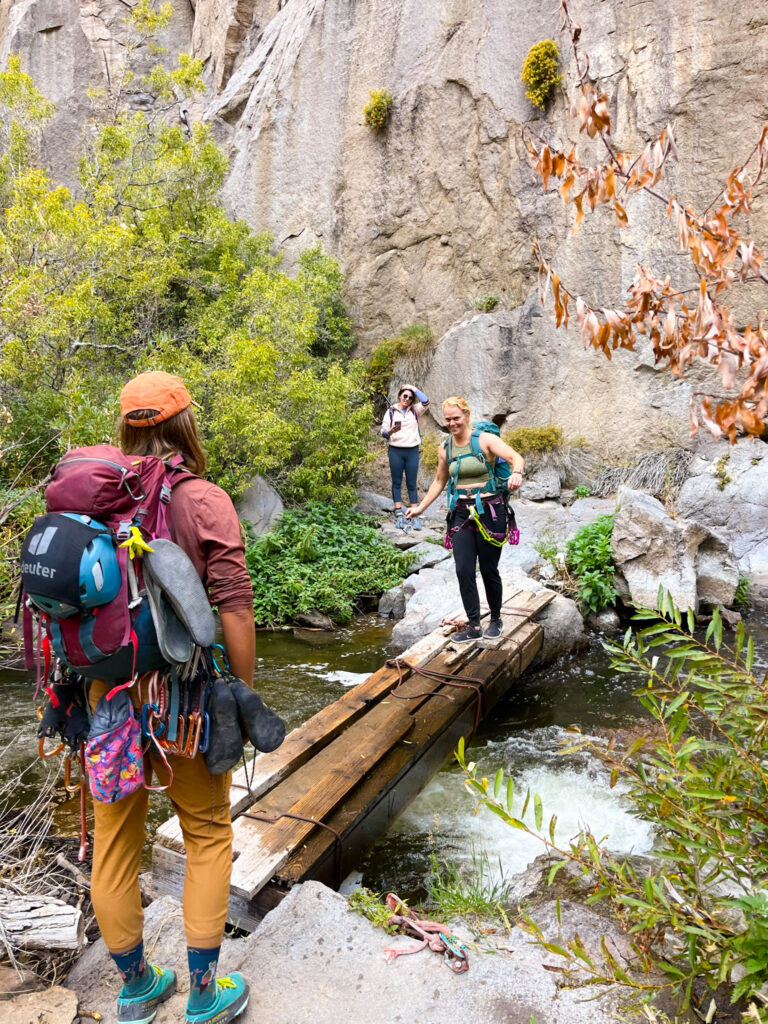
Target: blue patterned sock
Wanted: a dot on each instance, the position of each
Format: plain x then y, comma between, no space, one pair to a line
132,967
202,973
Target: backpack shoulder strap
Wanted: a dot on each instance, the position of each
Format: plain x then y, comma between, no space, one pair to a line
477,448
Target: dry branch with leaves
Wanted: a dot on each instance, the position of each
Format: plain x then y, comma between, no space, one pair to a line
682,324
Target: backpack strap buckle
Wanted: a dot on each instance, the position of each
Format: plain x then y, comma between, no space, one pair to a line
123,531
165,494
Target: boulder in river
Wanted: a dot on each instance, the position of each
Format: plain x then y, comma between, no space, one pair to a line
652,550
727,492
392,603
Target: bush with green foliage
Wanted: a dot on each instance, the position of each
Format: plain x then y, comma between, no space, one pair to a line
142,269
378,109
741,599
589,557
487,303
320,558
430,449
698,913
541,72
534,440
414,341
582,491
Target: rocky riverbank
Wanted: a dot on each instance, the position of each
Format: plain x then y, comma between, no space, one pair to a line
313,960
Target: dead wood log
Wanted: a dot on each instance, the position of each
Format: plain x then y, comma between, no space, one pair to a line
40,922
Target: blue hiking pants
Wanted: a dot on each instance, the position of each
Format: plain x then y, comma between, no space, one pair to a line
404,460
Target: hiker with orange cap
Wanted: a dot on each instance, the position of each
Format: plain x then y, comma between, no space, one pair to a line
158,419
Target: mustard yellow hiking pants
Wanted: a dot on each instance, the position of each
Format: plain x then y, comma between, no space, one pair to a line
201,801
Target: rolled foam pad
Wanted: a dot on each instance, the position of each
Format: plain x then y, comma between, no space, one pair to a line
171,570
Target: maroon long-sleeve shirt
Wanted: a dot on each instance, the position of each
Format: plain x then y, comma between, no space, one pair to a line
205,525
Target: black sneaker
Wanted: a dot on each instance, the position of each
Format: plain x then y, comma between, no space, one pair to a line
494,630
470,633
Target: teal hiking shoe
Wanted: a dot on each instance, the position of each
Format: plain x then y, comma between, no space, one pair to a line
141,1008
231,999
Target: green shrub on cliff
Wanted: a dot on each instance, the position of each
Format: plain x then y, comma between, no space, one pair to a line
541,71
376,112
415,341
534,440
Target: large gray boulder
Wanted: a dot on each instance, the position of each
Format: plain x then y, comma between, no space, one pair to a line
430,596
426,555
652,550
511,367
392,603
727,492
312,959
260,505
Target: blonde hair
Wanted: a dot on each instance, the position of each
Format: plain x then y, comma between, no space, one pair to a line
177,435
460,403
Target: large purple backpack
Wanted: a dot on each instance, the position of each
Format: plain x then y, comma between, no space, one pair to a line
81,562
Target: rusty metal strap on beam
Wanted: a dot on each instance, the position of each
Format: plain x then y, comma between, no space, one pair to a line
272,819
447,678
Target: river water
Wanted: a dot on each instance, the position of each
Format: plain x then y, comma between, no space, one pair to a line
299,673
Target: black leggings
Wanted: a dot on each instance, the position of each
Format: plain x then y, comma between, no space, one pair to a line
469,548
404,460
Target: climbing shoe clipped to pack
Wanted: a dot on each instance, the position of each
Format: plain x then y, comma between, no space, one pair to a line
141,1008
225,743
264,728
228,999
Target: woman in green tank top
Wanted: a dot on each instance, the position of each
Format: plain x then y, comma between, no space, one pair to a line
466,525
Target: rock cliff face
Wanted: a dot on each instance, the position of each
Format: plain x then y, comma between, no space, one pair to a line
440,208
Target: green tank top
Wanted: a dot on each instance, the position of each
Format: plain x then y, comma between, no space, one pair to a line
472,472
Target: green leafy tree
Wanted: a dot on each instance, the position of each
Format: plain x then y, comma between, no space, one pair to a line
140,268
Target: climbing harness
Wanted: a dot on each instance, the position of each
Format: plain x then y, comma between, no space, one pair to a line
431,933
474,522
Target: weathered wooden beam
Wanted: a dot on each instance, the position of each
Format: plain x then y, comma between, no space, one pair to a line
402,774
167,879
263,848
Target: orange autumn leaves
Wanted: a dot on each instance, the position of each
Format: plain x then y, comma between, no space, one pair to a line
683,324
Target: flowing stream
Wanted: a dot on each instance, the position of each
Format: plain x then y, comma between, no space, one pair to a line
300,672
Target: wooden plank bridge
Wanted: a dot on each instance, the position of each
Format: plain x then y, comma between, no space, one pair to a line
312,808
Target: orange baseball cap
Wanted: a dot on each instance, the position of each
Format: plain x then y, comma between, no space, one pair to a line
153,390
